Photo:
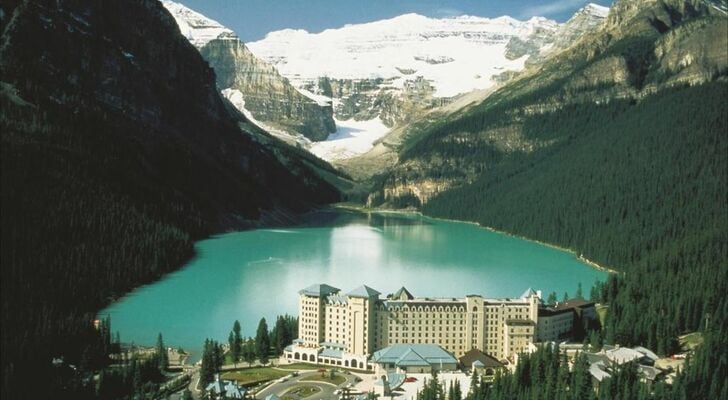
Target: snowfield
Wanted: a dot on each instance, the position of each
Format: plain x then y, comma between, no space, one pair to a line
352,138
457,54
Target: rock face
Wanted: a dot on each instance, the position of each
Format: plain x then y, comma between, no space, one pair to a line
268,98
640,48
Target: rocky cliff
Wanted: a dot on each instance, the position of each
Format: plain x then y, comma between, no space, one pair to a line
267,97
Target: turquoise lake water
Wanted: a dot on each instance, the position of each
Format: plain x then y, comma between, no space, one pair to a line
253,274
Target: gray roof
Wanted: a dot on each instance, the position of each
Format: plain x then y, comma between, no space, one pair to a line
403,294
331,353
230,389
528,293
409,355
318,290
598,371
646,352
337,298
623,355
650,373
363,291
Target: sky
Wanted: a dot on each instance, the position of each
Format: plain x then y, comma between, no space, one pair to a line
253,19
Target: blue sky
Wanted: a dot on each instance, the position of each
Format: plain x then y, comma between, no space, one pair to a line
252,19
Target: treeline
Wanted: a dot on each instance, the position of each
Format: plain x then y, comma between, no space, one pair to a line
111,167
548,374
266,344
637,187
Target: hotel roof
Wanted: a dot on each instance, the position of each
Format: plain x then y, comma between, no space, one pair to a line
363,291
402,294
413,355
318,290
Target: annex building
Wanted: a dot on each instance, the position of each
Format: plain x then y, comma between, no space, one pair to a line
346,329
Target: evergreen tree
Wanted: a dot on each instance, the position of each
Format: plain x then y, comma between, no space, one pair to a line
249,351
162,356
282,335
237,342
262,342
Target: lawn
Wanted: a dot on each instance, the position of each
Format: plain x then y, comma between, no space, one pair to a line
338,379
299,366
255,375
300,392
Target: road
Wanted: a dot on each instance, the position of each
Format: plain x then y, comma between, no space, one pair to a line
326,390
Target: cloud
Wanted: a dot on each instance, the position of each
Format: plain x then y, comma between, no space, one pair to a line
444,12
546,9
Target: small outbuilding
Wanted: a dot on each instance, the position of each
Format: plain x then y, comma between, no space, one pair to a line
486,365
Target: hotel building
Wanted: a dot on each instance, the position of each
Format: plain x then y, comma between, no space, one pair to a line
346,328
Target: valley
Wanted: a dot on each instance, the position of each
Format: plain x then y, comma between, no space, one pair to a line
162,175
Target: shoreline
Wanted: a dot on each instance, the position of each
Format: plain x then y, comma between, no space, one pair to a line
580,257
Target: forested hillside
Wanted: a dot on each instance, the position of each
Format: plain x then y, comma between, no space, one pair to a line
117,153
615,148
637,187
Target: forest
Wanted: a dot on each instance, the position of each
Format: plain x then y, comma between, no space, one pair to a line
111,166
635,187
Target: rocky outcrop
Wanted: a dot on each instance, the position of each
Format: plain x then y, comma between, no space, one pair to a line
267,97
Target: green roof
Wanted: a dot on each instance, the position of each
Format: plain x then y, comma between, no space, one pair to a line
363,291
318,290
413,355
403,294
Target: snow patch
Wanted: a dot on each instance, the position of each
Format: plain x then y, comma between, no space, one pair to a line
597,10
352,138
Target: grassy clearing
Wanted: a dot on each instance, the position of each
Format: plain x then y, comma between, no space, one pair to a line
255,375
300,392
691,340
338,379
300,366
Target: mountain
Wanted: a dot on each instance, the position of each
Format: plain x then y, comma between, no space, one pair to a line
614,147
254,86
118,152
640,50
394,71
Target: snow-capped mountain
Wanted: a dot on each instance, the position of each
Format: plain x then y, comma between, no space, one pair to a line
390,72
252,85
457,54
197,28
376,75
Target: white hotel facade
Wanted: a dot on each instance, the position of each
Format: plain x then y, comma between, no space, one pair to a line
344,329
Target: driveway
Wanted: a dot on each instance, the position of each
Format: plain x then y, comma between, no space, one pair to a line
326,390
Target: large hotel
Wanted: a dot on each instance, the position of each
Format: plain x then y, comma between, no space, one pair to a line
347,328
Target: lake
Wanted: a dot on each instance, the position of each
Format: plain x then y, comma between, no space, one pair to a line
253,274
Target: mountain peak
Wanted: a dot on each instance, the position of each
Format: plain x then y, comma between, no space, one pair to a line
595,10
197,28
